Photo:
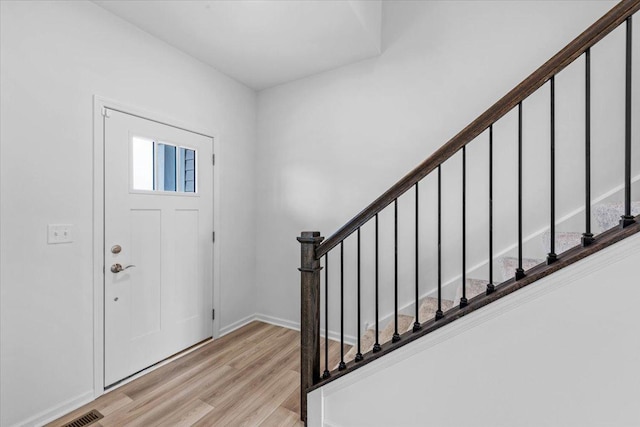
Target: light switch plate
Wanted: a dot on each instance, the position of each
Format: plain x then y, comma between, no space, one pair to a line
59,233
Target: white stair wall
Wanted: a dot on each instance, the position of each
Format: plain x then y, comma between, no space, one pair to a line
555,353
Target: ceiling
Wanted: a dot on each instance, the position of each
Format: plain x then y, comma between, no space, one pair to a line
262,43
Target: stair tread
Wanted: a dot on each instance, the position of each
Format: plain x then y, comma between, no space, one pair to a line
429,306
509,265
607,215
564,240
474,287
405,323
367,340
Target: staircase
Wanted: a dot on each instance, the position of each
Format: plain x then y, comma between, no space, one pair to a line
430,309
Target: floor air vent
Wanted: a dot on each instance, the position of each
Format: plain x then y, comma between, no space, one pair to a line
85,420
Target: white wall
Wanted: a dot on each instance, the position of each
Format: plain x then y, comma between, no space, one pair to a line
55,56
331,143
438,71
560,352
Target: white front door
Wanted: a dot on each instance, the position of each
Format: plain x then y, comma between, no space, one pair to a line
158,242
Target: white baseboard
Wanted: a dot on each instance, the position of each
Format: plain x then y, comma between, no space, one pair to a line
260,318
58,411
272,320
237,324
333,336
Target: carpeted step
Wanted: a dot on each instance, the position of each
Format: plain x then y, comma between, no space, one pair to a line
367,341
405,323
474,287
427,311
429,306
564,240
509,264
607,215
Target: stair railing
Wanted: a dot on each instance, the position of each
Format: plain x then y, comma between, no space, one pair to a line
314,247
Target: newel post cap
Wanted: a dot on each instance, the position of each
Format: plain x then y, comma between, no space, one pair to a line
310,237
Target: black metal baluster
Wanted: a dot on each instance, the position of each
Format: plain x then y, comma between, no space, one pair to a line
326,373
551,256
358,357
463,300
587,236
342,365
490,286
519,271
376,346
439,313
416,324
627,218
396,335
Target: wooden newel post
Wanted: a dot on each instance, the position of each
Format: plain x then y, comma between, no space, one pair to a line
309,315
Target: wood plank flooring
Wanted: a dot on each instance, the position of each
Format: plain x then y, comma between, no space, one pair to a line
250,377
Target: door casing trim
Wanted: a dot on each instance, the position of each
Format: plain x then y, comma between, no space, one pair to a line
99,104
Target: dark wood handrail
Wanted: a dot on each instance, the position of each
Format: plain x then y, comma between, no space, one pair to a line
557,63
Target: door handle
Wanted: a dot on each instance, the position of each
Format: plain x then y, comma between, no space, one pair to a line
117,268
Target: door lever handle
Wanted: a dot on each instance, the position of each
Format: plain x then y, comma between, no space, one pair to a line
117,268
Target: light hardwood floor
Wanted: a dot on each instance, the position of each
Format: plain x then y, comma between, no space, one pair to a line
247,378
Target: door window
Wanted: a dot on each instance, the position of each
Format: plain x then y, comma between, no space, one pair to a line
159,166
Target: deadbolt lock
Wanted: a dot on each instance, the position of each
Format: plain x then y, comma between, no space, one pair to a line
116,249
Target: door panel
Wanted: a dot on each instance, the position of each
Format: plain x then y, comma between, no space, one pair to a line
146,294
187,270
159,211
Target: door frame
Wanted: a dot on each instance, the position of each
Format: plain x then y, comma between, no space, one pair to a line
99,105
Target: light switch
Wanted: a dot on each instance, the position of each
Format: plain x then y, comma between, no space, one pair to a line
59,233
